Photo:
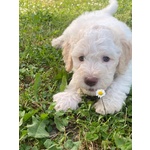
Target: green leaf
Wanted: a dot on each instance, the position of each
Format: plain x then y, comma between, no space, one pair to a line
76,145
23,135
63,83
105,144
29,115
91,137
20,122
68,144
61,123
119,141
37,129
21,113
51,145
122,142
34,148
59,113
128,146
37,83
48,143
43,116
51,107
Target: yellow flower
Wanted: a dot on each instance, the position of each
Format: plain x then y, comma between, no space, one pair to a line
100,93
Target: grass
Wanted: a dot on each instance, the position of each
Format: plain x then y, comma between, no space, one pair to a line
42,74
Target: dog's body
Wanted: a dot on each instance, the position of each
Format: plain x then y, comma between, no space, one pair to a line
97,48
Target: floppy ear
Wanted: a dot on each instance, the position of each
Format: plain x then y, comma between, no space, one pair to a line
60,43
67,56
126,55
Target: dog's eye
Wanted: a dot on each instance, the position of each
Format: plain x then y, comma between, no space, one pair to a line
106,58
81,58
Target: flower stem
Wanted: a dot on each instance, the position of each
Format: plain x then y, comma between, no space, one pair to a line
104,106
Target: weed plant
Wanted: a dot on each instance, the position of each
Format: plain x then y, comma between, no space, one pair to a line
42,74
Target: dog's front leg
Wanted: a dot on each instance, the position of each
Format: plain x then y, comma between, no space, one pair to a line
116,94
68,99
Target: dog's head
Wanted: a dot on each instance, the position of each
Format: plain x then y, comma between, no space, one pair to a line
96,57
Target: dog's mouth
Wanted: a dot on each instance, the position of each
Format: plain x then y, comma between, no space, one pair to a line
88,90
91,90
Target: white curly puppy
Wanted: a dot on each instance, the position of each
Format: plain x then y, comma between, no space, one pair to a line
97,48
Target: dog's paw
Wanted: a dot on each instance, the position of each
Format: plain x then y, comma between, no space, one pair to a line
66,100
107,107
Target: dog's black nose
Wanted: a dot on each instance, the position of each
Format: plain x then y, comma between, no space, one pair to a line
91,81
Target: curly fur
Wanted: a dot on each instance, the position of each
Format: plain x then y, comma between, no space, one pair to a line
94,35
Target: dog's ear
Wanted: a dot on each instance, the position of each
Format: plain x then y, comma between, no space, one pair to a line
67,56
60,43
126,55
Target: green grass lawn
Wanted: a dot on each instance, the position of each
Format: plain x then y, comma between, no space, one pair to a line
42,74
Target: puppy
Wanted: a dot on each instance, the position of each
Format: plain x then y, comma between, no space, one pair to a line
97,49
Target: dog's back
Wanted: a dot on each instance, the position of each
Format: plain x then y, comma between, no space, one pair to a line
83,22
102,17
